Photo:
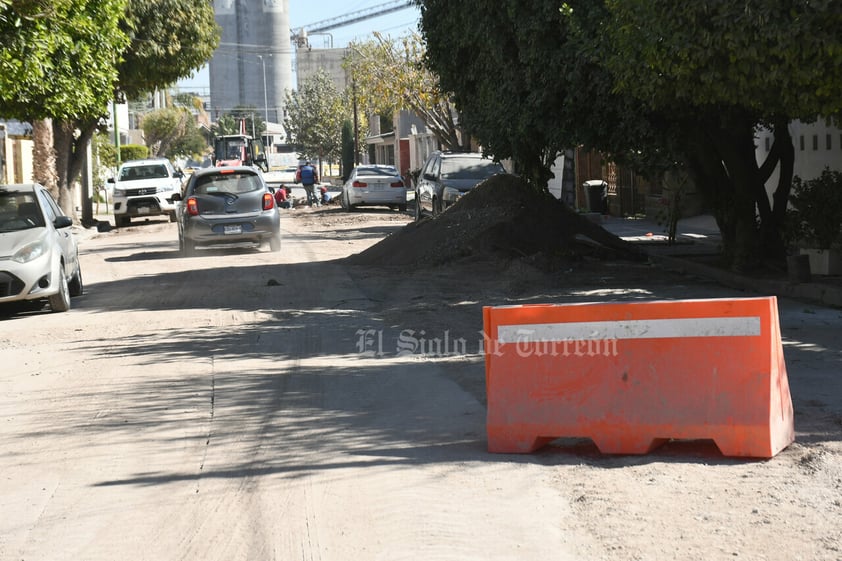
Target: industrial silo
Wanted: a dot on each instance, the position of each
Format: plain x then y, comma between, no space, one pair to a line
253,64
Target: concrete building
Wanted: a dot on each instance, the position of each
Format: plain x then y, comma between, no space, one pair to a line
16,165
817,145
253,64
309,61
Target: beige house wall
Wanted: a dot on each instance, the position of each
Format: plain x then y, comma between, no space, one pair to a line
17,160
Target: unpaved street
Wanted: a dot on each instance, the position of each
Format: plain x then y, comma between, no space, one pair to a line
249,405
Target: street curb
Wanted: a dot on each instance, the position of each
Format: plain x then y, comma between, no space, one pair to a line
816,292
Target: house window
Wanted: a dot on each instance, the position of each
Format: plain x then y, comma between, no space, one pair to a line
801,140
829,142
815,142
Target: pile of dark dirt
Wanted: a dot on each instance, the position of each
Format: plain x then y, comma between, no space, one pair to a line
501,217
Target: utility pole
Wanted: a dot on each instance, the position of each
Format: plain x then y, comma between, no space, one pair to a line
356,123
265,94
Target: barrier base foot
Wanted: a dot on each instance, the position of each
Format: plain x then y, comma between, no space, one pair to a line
627,445
736,448
516,445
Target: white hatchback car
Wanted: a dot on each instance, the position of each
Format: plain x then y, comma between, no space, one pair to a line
39,258
374,185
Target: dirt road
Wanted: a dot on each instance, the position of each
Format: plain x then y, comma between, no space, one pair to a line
249,405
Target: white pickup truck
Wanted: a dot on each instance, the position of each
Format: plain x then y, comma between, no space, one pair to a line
145,188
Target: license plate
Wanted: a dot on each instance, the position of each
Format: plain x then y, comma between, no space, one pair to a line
376,187
143,210
232,229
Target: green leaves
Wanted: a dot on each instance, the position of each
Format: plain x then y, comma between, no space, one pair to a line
315,113
58,59
752,54
390,75
169,40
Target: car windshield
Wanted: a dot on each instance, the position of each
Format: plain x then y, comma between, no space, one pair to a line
19,211
469,168
152,171
228,183
385,172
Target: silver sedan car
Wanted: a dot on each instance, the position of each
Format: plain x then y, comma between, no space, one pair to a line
39,258
227,205
374,185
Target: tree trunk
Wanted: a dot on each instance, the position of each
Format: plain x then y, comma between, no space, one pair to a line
70,139
735,143
786,151
721,155
44,156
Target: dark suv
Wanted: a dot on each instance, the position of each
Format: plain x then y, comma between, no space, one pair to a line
446,176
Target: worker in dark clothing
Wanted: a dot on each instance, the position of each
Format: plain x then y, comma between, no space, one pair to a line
308,176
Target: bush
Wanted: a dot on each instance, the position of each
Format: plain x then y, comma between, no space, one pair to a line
816,214
133,152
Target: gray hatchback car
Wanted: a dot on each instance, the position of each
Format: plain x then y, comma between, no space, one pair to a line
225,205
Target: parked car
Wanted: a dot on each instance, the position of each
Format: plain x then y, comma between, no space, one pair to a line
39,258
145,188
374,185
224,205
446,176
287,175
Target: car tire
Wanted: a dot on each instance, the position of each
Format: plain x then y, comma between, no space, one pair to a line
188,248
401,208
60,302
436,206
75,285
122,221
172,217
275,242
417,209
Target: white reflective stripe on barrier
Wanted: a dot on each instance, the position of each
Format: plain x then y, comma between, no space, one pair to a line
748,326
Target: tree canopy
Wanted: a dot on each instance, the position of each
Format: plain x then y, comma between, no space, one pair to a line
231,123
58,58
172,133
315,113
389,74
169,40
651,82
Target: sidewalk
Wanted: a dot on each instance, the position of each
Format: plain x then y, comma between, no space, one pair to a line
698,237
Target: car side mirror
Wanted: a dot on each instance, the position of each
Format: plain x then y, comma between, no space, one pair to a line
429,177
110,180
62,222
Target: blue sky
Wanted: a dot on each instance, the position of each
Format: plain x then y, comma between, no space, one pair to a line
303,13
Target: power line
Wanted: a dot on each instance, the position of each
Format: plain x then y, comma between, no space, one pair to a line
358,16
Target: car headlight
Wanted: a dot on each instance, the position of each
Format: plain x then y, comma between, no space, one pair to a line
31,251
451,194
119,192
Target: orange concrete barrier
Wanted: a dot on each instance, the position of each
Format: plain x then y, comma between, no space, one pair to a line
631,376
